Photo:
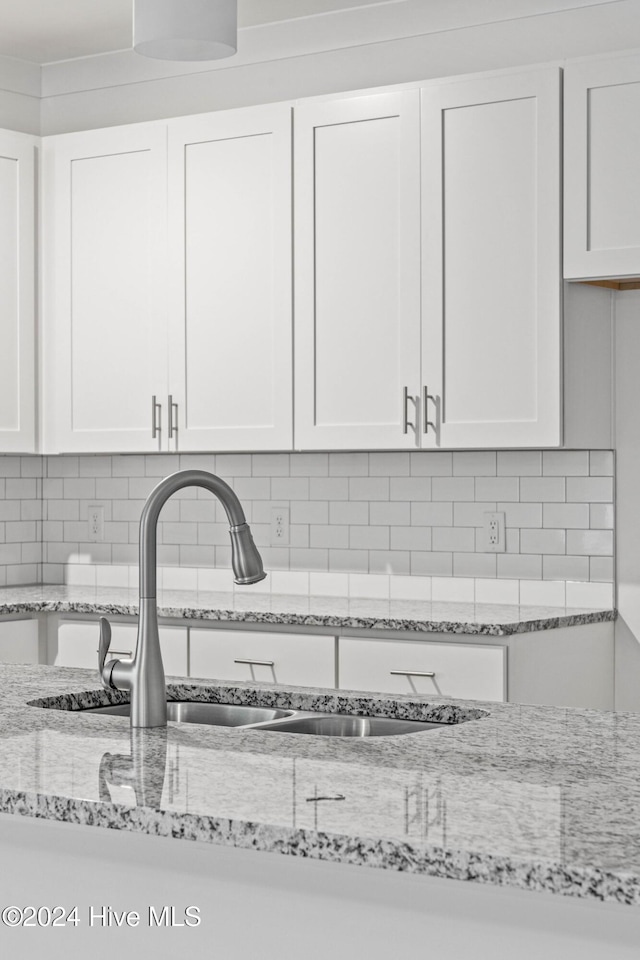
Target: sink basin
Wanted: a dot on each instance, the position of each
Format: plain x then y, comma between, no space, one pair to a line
339,725
217,714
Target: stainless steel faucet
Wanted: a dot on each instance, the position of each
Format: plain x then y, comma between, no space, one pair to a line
144,674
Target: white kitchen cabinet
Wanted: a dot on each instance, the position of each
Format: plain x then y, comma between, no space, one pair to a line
19,641
601,162
491,335
230,356
299,659
357,263
104,289
469,354
77,645
17,293
468,672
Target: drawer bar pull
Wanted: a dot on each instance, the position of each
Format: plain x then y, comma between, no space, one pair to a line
256,663
412,673
337,796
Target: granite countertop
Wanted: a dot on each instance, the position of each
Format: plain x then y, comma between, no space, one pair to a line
540,798
415,616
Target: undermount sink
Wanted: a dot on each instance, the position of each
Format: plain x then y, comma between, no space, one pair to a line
195,711
278,720
339,725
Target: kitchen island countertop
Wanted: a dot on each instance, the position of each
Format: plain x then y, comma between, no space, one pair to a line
540,798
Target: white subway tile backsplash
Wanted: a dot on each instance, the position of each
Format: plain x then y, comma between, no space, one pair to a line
431,464
389,464
452,488
409,588
590,489
431,564
371,538
348,464
565,568
565,463
454,590
519,463
349,512
371,488
601,463
374,586
328,584
458,539
597,543
409,515
290,581
390,561
497,488
474,564
589,594
542,489
432,514
601,516
497,591
391,513
474,464
566,515
542,592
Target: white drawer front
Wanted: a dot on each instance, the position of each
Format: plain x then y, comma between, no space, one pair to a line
78,646
19,641
394,666
283,657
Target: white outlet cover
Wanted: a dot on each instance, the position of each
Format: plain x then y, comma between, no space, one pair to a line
493,532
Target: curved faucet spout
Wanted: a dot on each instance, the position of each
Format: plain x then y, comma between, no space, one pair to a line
144,674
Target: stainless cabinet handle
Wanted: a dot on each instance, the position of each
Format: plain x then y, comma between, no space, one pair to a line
256,663
337,796
117,653
406,423
426,396
156,417
172,427
412,673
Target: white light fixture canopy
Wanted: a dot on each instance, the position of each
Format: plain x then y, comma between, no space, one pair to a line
185,29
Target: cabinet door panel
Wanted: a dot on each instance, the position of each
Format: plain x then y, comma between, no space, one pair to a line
78,646
104,274
230,236
19,641
282,658
467,671
491,291
602,156
357,270
17,360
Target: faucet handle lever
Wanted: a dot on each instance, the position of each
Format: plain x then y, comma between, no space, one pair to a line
103,647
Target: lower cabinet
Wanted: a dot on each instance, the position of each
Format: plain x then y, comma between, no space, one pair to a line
299,659
19,641
467,671
78,645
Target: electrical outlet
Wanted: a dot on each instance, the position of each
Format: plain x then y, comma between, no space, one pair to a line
494,533
280,527
95,522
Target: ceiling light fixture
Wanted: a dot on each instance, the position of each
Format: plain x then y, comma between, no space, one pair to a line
185,29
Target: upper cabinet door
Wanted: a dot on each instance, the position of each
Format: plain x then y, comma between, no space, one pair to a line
601,164
17,316
230,263
491,253
104,299
357,271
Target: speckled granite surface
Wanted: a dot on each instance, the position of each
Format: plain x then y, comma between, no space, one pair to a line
406,615
540,798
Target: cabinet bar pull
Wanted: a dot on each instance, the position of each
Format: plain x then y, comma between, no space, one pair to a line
406,423
156,417
412,673
256,663
120,653
172,427
425,403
